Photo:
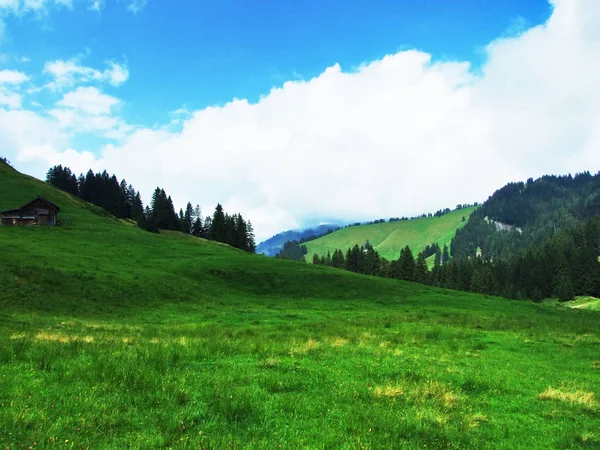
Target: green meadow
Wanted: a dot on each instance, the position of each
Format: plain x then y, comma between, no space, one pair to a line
389,237
113,337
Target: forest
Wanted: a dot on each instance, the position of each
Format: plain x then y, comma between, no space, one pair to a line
124,202
532,240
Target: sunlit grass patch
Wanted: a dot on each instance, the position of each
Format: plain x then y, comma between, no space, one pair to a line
420,393
582,398
338,342
270,363
62,338
388,391
306,347
366,339
438,392
475,420
16,336
590,438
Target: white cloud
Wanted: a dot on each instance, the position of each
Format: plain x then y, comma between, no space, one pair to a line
22,6
88,100
136,6
398,136
68,73
22,59
34,5
12,77
20,130
9,81
12,5
12,100
103,125
87,110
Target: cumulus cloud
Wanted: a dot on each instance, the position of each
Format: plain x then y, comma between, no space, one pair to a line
9,99
398,136
9,81
87,110
88,100
71,72
12,77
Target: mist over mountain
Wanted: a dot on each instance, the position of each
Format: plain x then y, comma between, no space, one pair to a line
274,244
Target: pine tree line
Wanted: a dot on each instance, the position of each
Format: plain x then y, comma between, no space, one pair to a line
563,266
366,260
123,201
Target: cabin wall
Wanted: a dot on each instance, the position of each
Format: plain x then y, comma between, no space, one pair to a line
34,213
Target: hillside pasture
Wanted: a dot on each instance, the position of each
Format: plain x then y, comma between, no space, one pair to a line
390,237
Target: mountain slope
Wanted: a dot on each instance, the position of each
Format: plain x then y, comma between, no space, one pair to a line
390,237
274,244
521,215
113,337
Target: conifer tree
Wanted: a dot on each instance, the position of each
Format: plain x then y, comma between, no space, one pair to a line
181,220
187,219
421,273
337,260
250,241
438,258
445,255
565,290
218,230
406,264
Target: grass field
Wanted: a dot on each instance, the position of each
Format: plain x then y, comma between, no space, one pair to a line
390,237
590,303
111,337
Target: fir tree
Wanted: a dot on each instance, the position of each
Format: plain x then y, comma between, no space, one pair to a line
406,264
218,230
338,260
445,255
421,272
187,220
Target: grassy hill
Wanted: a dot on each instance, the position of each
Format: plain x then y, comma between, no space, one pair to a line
390,237
112,337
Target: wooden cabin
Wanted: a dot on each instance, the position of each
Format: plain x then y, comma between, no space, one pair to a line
39,211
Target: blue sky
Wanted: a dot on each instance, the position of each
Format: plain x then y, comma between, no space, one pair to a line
201,53
294,112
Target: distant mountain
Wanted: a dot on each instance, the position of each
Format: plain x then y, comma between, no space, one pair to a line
274,244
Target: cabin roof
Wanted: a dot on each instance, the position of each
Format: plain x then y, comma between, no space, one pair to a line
39,197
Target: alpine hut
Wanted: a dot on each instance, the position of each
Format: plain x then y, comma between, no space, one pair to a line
38,211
